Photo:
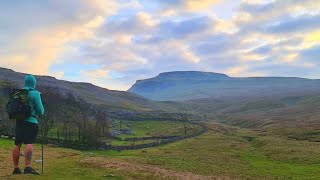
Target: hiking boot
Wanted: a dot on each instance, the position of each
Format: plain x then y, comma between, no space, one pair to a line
30,170
17,171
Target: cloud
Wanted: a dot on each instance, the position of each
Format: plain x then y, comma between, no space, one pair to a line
180,29
169,30
214,44
272,17
311,55
114,43
95,74
188,5
277,8
192,42
141,22
42,35
266,49
236,71
299,24
196,5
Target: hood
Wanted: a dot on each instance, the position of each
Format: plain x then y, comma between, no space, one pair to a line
30,82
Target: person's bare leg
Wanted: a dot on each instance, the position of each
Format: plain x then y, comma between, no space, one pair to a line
16,155
28,155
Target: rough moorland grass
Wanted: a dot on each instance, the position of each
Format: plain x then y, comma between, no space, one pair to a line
240,154
154,128
210,154
128,143
234,155
62,163
144,129
158,128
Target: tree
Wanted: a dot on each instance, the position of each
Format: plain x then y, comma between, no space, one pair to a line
102,120
7,125
77,112
93,133
52,102
184,118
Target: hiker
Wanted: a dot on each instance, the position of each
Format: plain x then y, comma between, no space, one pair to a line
27,129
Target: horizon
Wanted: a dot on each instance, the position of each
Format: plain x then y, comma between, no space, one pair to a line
158,75
115,43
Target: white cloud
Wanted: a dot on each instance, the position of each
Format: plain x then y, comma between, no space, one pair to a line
35,49
129,40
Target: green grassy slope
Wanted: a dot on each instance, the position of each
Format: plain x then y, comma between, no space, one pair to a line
240,155
293,117
234,154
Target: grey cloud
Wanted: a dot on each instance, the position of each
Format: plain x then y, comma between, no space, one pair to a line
33,13
131,25
266,49
276,7
179,30
295,24
169,2
279,17
273,68
183,28
311,55
215,44
217,52
257,8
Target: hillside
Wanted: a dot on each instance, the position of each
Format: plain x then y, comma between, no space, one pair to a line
186,85
293,117
89,92
276,136
288,107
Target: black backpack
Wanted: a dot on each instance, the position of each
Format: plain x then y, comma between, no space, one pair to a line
18,107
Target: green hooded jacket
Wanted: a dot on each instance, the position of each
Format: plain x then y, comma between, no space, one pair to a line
34,99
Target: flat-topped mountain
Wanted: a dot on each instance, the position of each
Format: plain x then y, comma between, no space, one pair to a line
186,85
196,75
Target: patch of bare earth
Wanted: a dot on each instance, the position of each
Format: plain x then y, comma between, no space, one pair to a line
50,154
5,162
135,167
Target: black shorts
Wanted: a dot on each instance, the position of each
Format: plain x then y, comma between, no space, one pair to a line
26,132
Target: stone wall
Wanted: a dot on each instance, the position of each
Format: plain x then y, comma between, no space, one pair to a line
103,146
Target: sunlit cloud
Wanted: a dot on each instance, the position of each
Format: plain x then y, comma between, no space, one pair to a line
36,50
114,43
195,5
188,5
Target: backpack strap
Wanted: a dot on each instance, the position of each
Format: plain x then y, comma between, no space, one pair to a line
33,116
30,89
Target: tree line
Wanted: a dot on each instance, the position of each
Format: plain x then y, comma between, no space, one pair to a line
66,117
70,118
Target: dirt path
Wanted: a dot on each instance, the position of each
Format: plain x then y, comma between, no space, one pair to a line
117,164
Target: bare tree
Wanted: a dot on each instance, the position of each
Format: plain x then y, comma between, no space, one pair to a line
52,104
184,118
102,120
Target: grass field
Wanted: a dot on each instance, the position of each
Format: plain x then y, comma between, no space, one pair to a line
147,129
152,129
155,128
239,154
242,154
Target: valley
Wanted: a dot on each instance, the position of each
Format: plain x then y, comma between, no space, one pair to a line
250,133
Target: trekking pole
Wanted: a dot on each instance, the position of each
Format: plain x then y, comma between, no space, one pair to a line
42,139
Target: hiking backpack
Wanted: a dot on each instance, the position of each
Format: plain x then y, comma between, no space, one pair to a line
18,107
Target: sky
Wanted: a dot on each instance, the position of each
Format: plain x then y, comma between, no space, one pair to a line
113,43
